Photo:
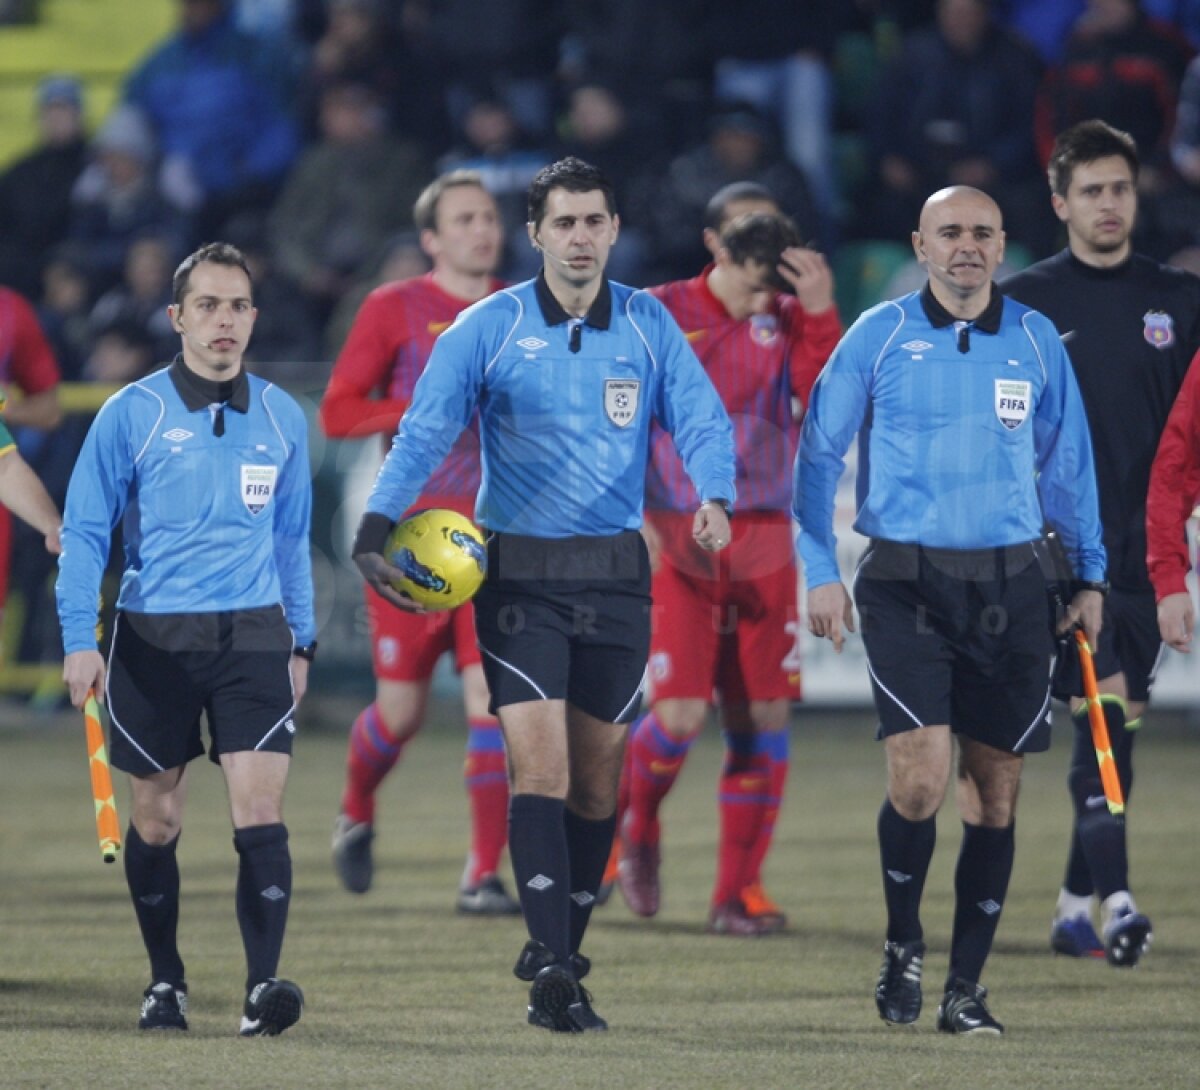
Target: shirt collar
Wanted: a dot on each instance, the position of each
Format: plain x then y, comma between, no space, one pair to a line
939,317
199,393
599,314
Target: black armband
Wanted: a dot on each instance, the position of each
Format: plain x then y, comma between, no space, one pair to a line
372,534
307,652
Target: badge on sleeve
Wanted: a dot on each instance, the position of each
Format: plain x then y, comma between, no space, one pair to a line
258,486
1012,402
621,399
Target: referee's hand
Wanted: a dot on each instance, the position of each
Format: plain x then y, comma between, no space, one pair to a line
1085,609
830,613
82,671
379,575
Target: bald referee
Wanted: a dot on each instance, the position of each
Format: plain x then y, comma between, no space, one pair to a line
567,370
970,429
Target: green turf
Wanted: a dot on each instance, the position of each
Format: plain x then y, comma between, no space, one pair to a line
402,993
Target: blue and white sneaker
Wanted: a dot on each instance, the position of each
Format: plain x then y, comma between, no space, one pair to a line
1127,938
1075,937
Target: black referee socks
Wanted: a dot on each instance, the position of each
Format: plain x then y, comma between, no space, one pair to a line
264,894
588,845
152,874
905,849
985,863
537,845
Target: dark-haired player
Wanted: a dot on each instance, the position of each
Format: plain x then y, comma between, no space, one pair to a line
1130,327
762,320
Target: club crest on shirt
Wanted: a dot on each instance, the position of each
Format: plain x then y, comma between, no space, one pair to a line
621,399
1012,402
1158,328
659,666
764,329
258,486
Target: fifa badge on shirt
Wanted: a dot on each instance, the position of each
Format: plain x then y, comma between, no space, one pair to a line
1012,402
1158,328
621,399
763,329
258,486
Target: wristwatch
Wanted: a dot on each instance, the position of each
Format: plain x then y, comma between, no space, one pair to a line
723,504
308,651
1100,586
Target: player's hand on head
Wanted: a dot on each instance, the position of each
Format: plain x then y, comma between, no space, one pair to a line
830,613
1177,621
379,575
809,274
82,671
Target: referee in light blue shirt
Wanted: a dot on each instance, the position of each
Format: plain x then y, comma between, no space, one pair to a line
567,371
972,435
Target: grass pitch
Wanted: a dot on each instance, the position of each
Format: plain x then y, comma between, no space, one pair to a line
403,993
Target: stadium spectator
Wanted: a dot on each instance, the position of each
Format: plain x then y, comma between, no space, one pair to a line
117,200
599,127
493,145
741,147
955,107
63,310
347,194
219,105
142,296
35,190
1123,68
775,54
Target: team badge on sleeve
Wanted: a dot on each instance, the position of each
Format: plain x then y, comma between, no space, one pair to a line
1158,328
258,486
1012,402
621,399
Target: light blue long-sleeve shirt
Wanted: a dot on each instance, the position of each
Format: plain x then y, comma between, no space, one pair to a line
957,450
564,435
210,523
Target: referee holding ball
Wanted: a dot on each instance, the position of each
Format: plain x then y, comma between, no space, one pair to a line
567,371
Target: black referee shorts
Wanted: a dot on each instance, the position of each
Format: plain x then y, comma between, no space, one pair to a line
566,619
958,637
165,669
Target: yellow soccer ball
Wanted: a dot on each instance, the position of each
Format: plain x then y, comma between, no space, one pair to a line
442,556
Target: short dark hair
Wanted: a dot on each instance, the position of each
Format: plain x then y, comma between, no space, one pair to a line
573,175
714,211
762,237
426,206
1085,143
214,253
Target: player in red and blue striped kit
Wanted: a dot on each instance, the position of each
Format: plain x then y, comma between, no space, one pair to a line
725,625
370,389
